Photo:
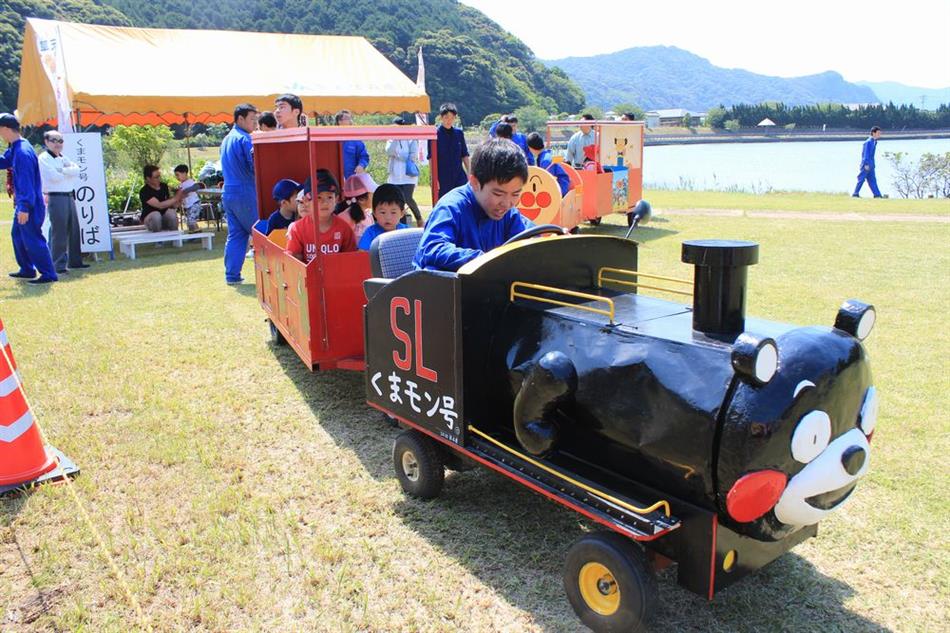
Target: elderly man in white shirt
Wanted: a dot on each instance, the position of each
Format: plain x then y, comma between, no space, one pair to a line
57,174
581,139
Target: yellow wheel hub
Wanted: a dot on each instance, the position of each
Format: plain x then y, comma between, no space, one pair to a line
599,588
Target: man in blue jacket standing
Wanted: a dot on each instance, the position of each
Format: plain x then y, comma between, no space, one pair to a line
239,197
451,150
867,164
29,209
479,216
355,156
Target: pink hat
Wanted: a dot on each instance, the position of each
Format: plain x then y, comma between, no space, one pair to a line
358,184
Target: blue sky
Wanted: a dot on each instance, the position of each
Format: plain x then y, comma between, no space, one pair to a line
904,40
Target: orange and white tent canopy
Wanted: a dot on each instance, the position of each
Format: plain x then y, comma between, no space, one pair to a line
118,75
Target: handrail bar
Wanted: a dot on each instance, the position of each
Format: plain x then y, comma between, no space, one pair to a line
609,313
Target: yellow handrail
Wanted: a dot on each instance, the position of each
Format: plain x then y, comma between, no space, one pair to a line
601,279
662,503
609,313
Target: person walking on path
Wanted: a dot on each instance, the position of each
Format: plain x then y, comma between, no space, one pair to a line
239,197
866,171
29,209
57,173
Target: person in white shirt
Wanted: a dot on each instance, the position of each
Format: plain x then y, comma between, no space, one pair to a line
58,175
401,153
581,139
190,203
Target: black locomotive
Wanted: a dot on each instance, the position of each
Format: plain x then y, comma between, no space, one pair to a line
692,433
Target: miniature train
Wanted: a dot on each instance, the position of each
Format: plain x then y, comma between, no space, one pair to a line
713,440
693,434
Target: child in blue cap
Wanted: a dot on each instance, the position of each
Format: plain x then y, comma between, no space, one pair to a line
285,195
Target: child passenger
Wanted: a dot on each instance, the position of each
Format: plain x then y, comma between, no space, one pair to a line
190,202
388,208
333,234
542,158
285,195
355,208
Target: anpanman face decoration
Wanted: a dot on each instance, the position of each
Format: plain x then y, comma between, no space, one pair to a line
540,199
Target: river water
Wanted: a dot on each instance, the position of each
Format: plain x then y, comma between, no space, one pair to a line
827,166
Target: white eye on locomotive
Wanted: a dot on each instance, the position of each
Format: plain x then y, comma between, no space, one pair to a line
811,436
755,358
856,318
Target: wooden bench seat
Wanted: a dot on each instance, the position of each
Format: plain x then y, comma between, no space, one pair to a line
128,241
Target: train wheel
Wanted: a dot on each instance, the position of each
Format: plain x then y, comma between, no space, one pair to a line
418,463
609,583
594,221
275,336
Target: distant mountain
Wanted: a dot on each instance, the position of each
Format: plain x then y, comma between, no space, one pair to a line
923,98
669,77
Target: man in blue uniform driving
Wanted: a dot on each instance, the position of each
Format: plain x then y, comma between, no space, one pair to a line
473,219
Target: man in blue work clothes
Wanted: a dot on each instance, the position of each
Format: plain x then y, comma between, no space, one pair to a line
866,171
29,209
239,197
451,149
355,156
479,216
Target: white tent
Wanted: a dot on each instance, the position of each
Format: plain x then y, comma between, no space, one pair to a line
766,122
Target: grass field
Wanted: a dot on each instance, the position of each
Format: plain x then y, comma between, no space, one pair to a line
237,491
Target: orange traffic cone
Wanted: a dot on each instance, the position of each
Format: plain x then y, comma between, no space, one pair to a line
24,459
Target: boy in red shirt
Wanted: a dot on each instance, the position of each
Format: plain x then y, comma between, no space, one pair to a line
334,235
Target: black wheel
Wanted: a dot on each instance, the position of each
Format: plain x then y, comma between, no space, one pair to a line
275,336
594,221
418,463
609,583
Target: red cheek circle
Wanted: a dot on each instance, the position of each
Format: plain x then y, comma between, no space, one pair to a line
755,494
544,199
527,199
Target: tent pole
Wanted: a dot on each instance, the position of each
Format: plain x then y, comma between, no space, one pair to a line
188,141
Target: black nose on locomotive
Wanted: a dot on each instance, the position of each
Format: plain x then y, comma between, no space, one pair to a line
853,459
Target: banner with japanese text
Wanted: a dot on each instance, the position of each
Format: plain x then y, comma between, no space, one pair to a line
92,204
49,45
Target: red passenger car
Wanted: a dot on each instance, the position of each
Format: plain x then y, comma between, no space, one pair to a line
317,308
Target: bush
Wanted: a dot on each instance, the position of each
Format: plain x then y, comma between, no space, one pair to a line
133,146
732,125
927,178
716,117
531,119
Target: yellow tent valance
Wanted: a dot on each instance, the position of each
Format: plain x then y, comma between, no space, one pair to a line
119,75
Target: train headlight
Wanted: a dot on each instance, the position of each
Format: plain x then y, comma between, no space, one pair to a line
755,358
856,318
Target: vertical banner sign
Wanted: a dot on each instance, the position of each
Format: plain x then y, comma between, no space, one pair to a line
422,118
50,49
92,204
413,352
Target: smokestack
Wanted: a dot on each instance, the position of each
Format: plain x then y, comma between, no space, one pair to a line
719,283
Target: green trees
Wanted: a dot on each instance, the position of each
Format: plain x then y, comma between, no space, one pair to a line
134,146
927,178
13,14
832,115
629,108
469,58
